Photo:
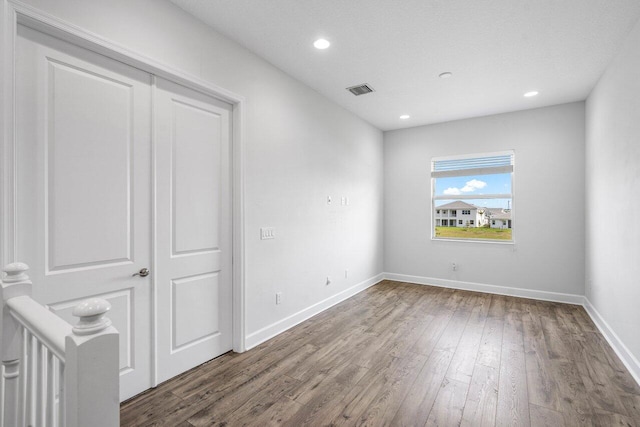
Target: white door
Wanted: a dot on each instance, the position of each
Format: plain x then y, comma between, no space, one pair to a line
84,205
193,228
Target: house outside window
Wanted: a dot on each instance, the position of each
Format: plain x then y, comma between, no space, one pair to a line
478,187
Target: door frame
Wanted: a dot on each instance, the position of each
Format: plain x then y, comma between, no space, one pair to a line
14,13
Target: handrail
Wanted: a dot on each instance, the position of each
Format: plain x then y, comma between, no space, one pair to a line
48,328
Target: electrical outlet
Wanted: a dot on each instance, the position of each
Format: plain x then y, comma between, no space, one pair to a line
328,200
328,280
267,233
346,274
278,298
454,266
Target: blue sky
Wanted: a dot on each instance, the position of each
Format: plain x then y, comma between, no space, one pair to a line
475,184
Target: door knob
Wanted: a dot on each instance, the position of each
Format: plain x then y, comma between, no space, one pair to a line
142,273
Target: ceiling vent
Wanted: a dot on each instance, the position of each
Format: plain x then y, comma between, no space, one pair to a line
360,89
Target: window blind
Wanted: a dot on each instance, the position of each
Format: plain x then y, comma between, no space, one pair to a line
486,165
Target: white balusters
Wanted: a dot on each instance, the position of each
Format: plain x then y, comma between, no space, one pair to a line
15,284
40,383
29,372
50,392
55,374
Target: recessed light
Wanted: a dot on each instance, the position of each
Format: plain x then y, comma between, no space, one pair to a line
404,117
321,44
530,94
445,75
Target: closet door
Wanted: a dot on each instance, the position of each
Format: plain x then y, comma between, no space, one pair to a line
83,188
193,228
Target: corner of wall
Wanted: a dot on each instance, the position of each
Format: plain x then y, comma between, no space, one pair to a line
626,356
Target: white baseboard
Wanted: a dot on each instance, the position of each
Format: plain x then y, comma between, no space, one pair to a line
280,326
490,289
628,359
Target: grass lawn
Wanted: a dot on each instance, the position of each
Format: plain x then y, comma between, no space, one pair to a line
474,233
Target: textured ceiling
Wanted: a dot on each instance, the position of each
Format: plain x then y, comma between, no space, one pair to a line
496,50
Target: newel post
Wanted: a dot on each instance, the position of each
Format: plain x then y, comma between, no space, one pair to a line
15,283
91,374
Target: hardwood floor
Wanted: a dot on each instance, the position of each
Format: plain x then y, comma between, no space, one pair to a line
400,354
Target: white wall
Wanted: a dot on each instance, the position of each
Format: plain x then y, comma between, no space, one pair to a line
300,148
549,201
613,185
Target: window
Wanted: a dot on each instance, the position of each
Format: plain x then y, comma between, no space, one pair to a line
459,222
438,211
482,183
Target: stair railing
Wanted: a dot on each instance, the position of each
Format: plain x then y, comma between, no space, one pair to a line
55,374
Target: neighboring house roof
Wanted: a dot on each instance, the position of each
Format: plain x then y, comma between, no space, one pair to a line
494,211
498,213
501,215
458,204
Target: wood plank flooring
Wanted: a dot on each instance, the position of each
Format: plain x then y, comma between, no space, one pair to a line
409,355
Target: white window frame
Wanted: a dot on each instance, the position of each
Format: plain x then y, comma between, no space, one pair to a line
470,172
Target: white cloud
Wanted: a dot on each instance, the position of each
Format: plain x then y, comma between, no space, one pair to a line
452,191
473,185
470,186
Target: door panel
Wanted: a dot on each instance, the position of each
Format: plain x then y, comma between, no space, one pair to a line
88,160
193,228
192,298
196,160
84,182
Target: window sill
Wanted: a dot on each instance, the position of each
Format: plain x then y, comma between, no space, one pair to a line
490,241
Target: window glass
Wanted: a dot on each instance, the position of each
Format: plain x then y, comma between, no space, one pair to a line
480,187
